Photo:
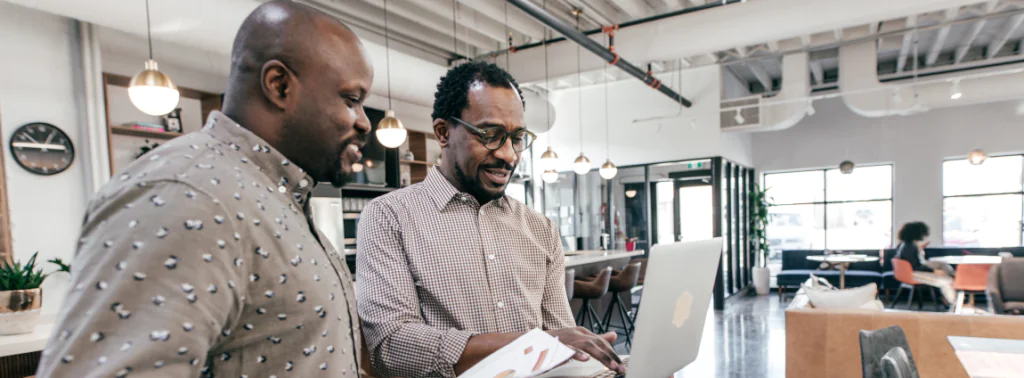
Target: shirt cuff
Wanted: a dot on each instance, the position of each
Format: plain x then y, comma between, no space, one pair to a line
453,343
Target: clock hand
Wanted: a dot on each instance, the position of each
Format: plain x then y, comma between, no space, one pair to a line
29,137
39,146
49,138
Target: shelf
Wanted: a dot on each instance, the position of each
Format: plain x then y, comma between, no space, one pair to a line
416,162
123,130
367,188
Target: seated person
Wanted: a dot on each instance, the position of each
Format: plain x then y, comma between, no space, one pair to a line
913,240
450,270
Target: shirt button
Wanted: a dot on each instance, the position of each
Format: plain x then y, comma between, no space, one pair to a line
490,256
282,189
463,198
303,183
501,304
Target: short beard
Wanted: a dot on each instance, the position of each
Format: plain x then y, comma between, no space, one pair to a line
338,176
472,185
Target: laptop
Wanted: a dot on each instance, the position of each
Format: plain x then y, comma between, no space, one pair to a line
670,321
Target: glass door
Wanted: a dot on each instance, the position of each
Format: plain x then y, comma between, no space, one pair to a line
694,211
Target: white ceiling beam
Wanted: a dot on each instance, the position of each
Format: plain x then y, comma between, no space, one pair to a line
837,34
1000,40
399,25
908,41
940,37
667,5
434,22
634,8
806,40
773,46
817,72
965,44
516,19
760,73
466,18
690,3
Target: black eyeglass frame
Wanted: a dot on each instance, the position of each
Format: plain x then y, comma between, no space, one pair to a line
482,133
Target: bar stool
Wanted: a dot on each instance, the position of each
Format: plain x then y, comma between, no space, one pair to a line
634,300
588,290
570,276
622,282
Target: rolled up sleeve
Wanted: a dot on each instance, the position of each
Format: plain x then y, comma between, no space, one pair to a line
400,342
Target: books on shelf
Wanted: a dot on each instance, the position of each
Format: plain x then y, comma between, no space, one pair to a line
145,126
531,355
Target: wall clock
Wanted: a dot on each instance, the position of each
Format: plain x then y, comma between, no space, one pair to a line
42,148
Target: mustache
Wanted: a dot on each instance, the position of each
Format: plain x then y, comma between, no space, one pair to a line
499,165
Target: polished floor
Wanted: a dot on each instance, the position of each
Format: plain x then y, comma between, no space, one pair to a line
746,339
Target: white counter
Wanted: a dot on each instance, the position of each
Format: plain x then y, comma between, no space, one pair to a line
591,257
28,342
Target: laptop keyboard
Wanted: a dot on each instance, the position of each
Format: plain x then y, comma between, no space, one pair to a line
612,374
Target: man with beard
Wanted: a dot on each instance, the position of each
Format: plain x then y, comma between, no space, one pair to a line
451,269
201,258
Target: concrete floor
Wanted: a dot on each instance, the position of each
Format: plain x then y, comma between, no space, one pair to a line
747,339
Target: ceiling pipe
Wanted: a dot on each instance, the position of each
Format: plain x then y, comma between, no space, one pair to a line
612,58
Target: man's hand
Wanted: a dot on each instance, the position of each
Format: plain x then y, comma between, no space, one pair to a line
589,345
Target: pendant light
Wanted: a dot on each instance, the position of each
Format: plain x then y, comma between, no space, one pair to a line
846,167
390,131
631,193
549,176
150,90
954,90
549,159
582,164
608,169
977,157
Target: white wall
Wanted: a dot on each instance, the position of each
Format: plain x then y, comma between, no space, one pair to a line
41,83
671,138
916,145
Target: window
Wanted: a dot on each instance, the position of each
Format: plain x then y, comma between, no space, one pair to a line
983,205
826,209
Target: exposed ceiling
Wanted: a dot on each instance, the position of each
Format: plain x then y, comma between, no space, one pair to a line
482,27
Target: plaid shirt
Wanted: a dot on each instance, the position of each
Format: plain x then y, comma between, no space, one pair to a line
434,268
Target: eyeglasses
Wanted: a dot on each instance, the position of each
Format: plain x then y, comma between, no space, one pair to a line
494,137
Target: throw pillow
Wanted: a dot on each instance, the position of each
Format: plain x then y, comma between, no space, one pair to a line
843,299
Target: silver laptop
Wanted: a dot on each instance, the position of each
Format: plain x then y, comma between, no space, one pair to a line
670,322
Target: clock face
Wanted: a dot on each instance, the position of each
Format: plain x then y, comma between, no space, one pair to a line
42,148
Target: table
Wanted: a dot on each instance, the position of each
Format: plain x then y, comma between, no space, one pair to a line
990,358
842,262
968,260
578,258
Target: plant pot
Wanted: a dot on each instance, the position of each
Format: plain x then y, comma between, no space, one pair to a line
762,277
19,310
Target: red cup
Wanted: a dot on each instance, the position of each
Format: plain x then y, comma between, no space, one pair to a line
630,245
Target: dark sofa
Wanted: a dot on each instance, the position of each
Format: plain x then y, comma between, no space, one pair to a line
796,269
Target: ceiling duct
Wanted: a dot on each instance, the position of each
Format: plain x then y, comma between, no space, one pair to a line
726,27
779,112
865,95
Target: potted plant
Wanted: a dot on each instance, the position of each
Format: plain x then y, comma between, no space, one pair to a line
20,294
759,218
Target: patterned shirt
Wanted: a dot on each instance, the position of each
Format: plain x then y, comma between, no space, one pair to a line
201,258
434,268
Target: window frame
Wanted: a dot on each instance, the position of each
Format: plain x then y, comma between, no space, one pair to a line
1020,223
825,202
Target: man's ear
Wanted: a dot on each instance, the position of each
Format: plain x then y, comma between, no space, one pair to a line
442,130
277,82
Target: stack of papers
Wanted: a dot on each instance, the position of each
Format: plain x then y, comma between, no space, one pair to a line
530,355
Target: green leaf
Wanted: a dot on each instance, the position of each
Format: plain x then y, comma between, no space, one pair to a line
21,277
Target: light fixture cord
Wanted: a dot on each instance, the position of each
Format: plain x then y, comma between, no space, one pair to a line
508,51
579,84
387,52
547,85
149,33
607,128
455,30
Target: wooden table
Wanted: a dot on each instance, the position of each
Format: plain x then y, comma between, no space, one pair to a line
968,260
842,262
989,358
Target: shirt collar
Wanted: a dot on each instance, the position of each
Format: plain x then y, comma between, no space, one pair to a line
443,193
288,176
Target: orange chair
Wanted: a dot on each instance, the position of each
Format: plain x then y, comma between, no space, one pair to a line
969,278
904,273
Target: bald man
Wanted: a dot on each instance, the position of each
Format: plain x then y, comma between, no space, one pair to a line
201,258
